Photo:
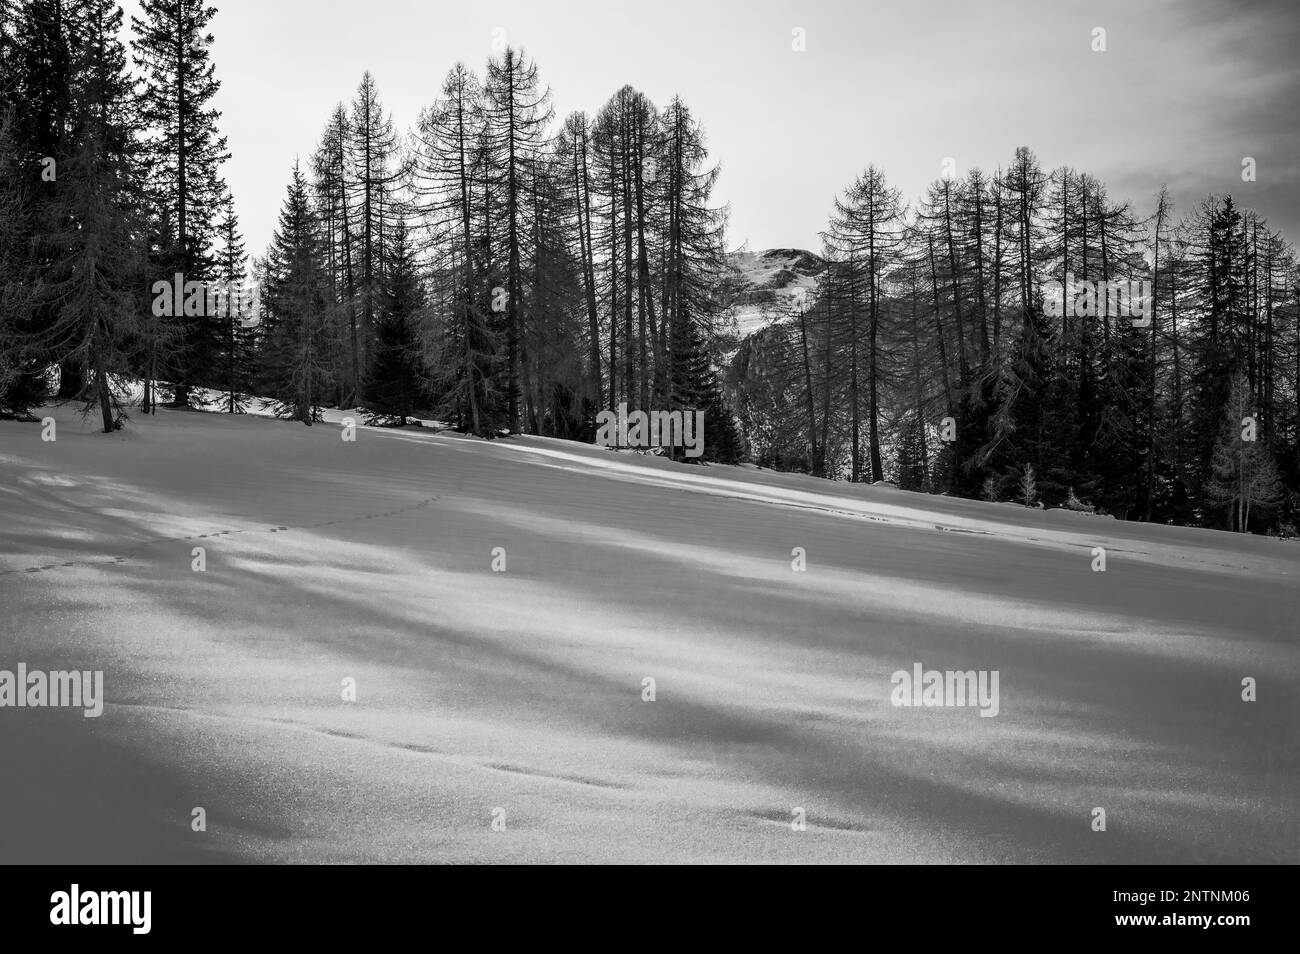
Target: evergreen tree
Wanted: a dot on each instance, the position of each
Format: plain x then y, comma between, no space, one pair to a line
395,383
1028,486
294,359
556,401
1217,280
864,236
694,264
239,331
92,287
185,150
23,383
331,186
451,187
1243,476
38,40
911,456
572,149
517,112
373,178
696,388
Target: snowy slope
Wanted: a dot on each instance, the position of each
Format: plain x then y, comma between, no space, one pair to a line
522,690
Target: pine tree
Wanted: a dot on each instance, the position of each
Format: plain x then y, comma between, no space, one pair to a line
395,382
911,459
185,152
452,186
1028,486
572,154
694,263
331,187
556,394
239,331
696,388
1217,280
93,284
1243,476
38,39
376,174
864,236
518,111
630,139
294,359
23,383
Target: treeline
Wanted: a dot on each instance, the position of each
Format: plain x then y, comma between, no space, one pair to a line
558,270
492,269
110,183
993,340
505,272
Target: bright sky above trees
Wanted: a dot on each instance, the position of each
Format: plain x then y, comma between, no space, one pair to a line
1183,91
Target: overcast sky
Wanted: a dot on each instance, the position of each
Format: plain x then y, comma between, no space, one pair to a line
1182,93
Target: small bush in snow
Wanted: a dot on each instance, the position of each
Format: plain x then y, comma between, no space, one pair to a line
1072,502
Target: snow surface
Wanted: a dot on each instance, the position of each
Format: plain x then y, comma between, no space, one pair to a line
522,690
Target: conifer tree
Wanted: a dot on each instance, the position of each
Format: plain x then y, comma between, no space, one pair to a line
331,188
93,285
517,113
453,190
865,233
1242,474
696,388
185,150
23,383
38,39
294,358
1217,280
395,383
911,455
373,179
572,150
239,330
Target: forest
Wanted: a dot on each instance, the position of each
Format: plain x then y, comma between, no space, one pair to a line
505,271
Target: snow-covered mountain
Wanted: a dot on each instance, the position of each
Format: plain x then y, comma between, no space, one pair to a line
771,284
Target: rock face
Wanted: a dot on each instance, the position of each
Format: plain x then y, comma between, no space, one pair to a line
771,284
